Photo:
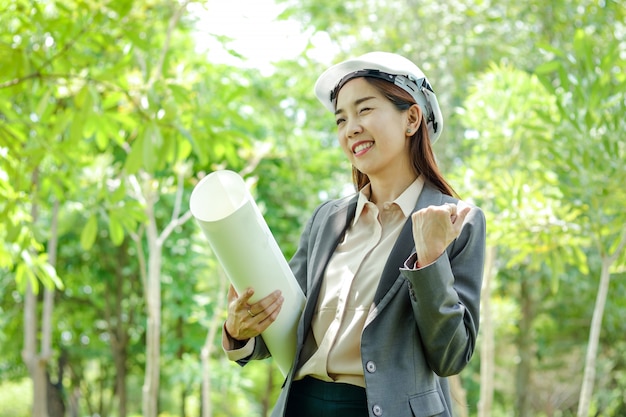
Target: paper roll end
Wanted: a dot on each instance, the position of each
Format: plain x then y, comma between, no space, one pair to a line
217,196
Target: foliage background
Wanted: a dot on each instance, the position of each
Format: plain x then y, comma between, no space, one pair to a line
110,113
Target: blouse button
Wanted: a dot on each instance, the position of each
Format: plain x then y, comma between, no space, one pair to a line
370,366
378,411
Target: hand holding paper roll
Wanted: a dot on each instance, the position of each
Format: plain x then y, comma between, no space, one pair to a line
251,258
246,320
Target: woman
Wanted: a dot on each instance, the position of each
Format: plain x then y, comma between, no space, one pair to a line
392,274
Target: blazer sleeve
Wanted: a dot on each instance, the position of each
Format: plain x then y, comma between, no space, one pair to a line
445,297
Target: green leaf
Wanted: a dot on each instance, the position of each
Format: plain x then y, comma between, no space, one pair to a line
184,150
77,128
24,273
127,221
44,103
194,145
46,273
152,143
102,140
548,67
81,99
89,232
118,194
20,273
115,229
134,160
179,93
84,108
135,212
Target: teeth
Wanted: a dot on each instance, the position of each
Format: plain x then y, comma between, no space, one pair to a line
363,146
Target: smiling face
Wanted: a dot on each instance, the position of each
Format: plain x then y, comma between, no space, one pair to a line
373,132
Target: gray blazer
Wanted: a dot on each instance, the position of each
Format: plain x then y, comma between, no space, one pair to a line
424,323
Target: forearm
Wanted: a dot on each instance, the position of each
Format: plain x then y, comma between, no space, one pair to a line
445,296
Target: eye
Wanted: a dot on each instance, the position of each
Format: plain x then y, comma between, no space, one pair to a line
365,109
339,121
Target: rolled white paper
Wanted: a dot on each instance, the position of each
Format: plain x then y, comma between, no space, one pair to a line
248,252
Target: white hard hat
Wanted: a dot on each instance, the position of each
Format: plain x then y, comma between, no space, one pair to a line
391,67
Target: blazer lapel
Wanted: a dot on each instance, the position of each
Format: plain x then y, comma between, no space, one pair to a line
331,231
404,246
328,236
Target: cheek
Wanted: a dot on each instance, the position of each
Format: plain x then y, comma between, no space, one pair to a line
347,152
343,142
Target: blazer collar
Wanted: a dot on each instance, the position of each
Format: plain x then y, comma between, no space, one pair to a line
332,231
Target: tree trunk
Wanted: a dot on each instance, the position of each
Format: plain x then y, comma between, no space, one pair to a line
74,402
265,402
589,376
525,350
56,397
180,334
122,352
118,330
35,364
120,358
459,396
487,349
205,355
52,401
150,389
152,284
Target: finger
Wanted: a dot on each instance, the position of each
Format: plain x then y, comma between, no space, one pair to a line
462,214
244,300
260,323
451,208
270,314
263,304
232,294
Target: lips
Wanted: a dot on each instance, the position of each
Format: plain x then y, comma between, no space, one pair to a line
361,147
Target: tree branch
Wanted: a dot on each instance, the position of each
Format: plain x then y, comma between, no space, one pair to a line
17,81
137,192
177,219
156,75
38,74
179,193
105,84
620,247
173,225
67,46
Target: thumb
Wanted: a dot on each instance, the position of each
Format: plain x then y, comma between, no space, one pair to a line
232,294
463,210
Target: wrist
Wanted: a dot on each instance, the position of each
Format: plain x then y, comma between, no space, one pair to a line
426,259
230,335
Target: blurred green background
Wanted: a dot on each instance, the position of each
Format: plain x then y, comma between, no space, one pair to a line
111,303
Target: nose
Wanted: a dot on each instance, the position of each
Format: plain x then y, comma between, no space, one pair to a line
353,127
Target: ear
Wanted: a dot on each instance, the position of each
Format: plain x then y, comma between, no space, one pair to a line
414,118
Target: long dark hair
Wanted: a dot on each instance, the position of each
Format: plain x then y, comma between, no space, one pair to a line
420,150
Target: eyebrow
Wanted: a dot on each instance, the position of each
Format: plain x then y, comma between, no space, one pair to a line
356,103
